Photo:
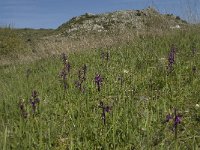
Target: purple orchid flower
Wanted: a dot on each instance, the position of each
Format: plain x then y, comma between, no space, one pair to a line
98,80
171,58
34,100
176,120
104,110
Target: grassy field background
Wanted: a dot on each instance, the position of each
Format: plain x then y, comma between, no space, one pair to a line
47,104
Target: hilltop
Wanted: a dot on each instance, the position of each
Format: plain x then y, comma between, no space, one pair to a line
137,20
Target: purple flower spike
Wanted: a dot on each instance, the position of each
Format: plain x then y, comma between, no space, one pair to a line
34,100
33,104
107,108
65,84
34,94
107,56
171,58
98,81
104,110
78,85
79,75
84,71
81,78
64,72
168,118
68,67
176,120
64,57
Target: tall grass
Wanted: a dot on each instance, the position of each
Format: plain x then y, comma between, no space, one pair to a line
136,85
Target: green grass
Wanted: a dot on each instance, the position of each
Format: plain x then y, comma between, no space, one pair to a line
72,120
19,41
10,42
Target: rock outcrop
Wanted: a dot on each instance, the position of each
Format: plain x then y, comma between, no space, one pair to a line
119,20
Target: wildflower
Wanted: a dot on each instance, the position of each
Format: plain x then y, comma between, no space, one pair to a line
63,75
79,85
162,59
143,129
81,78
64,72
35,96
79,75
98,81
176,120
64,58
84,71
168,118
24,114
67,67
171,58
125,71
33,104
65,84
104,110
197,105
34,100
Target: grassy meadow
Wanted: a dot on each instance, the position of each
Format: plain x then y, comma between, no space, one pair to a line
140,95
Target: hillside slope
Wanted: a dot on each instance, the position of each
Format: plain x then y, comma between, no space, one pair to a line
87,31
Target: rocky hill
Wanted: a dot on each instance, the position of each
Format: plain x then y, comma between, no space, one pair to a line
138,20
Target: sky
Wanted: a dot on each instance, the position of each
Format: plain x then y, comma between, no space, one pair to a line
52,13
